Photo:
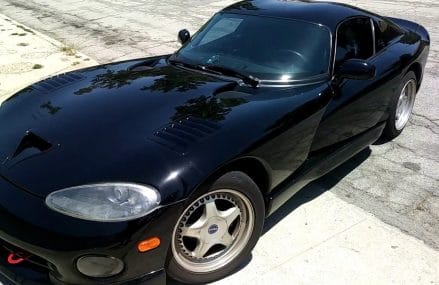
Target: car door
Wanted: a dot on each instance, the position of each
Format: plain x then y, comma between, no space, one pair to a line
356,106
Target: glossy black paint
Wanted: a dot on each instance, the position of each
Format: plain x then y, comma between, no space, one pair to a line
356,69
151,122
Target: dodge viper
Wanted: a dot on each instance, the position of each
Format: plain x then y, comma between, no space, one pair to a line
129,172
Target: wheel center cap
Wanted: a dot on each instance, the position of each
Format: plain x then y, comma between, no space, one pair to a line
213,229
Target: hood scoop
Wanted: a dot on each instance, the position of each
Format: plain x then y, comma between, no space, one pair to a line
57,81
29,146
177,136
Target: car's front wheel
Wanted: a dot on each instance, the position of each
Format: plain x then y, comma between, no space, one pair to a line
217,230
401,106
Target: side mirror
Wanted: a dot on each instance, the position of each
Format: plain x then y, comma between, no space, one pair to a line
184,36
356,69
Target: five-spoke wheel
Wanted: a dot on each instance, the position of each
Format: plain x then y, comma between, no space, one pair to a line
405,104
213,230
217,230
401,106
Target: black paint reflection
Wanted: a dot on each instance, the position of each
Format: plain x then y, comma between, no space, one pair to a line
110,80
172,79
51,109
210,108
168,79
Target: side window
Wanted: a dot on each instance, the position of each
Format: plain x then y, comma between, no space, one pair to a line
222,28
354,40
385,32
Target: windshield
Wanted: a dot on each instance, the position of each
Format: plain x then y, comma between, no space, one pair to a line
263,47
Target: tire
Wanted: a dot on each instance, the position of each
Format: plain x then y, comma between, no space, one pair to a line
210,217
394,127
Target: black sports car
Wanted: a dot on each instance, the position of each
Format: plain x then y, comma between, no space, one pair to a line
125,172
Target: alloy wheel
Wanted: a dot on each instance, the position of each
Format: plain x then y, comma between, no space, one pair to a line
213,231
405,104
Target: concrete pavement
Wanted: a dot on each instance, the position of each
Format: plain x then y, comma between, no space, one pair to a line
345,245
27,56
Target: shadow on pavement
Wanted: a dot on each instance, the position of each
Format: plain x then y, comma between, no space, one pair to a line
308,193
316,188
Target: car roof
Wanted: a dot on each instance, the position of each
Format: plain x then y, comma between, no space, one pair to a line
329,14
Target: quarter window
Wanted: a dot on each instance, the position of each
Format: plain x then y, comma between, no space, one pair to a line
354,40
385,32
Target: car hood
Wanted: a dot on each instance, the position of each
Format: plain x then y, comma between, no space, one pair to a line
98,125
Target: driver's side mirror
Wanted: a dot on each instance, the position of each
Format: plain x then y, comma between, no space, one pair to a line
184,36
357,69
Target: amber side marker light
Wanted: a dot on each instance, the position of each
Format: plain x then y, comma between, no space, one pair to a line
148,244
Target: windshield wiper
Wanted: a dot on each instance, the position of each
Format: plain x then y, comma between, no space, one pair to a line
246,78
221,70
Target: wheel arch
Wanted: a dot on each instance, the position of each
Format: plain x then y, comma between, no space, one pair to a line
258,170
255,168
416,67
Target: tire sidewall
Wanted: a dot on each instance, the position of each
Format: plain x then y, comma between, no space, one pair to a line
390,131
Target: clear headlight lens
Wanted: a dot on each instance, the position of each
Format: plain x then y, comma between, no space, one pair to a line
109,202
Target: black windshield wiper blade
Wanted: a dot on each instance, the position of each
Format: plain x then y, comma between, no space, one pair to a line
192,66
246,78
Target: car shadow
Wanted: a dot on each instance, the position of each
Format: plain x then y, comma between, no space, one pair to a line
316,188
382,140
307,194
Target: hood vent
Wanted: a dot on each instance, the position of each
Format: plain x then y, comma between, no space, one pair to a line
58,81
30,140
178,135
29,146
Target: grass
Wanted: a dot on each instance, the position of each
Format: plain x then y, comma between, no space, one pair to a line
68,50
37,66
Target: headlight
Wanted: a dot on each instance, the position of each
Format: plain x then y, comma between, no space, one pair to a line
109,202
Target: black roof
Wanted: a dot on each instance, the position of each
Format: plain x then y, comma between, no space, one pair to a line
325,13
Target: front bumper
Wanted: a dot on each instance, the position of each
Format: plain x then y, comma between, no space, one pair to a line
8,277
55,242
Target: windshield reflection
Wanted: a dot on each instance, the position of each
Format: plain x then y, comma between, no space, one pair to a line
263,47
